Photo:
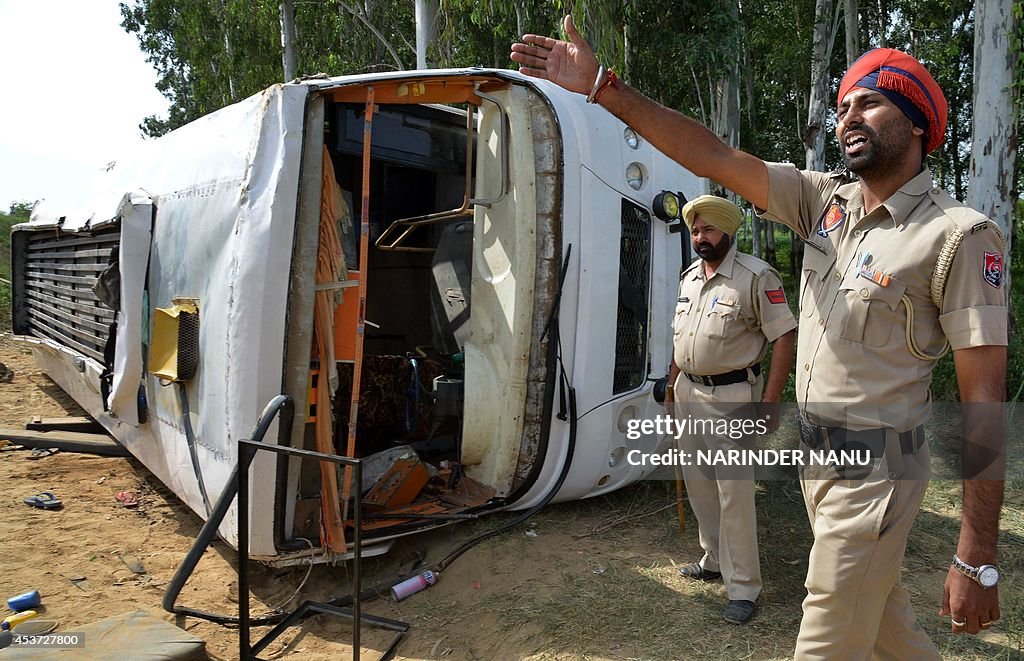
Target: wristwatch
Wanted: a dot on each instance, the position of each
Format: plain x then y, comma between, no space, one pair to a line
986,576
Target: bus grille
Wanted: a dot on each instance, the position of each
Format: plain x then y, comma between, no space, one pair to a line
634,289
54,274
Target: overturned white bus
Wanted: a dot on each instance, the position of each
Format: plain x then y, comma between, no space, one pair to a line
470,243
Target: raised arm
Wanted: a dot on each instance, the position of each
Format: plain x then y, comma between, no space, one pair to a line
572,65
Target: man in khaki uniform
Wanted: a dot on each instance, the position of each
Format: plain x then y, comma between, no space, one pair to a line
874,315
731,306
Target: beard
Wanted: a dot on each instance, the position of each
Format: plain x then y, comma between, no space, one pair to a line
713,252
884,151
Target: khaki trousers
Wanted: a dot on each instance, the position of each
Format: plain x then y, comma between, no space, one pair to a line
722,498
855,606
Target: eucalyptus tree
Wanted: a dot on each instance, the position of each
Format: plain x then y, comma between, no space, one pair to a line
994,138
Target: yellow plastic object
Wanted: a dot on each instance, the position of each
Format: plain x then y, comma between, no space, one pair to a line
174,351
16,619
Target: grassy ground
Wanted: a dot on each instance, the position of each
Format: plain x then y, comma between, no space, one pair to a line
618,595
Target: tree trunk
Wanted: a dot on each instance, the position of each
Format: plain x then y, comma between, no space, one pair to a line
883,24
361,14
994,141
627,41
426,21
755,235
852,33
287,9
821,52
229,53
727,95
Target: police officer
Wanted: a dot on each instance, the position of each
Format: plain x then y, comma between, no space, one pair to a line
894,269
731,306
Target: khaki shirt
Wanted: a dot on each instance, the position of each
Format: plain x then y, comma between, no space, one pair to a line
717,326
861,275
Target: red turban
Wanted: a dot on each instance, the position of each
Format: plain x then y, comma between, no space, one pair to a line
896,74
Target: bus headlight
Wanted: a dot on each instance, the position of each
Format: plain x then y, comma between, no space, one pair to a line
631,138
635,175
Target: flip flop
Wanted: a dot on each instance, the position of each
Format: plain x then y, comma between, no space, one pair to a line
39,453
44,500
127,499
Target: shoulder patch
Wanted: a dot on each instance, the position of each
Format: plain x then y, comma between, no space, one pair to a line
776,296
992,271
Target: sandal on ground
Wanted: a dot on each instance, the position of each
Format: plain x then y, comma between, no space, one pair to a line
127,499
45,501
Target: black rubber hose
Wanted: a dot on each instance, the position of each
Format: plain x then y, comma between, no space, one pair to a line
190,437
448,559
209,530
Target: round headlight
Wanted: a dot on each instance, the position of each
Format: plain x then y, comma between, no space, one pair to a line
635,176
666,206
632,139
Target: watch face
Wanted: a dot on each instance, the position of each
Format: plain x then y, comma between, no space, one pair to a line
988,576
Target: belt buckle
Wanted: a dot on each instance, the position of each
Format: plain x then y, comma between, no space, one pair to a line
708,381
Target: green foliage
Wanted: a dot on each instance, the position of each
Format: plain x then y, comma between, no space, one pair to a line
479,34
21,209
210,53
19,214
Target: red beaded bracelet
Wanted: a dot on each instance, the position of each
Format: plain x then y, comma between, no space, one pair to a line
609,82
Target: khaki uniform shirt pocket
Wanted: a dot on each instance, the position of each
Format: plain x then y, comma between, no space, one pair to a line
725,320
679,320
817,269
867,312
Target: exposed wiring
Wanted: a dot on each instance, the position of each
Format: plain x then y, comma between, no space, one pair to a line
309,570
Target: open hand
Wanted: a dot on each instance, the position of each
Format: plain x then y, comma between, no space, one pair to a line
571,65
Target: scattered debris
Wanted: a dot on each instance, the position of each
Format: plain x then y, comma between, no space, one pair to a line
600,570
6,374
132,563
40,453
128,499
79,424
80,582
531,533
99,444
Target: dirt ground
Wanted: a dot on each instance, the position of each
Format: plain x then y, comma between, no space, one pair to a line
591,580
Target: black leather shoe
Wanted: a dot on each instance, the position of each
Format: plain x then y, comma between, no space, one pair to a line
739,611
695,571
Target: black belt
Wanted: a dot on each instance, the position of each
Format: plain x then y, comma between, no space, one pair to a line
727,379
839,439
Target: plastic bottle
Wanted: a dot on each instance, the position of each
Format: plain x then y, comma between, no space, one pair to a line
413,585
24,601
12,621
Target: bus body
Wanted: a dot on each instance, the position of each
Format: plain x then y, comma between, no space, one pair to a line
512,264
